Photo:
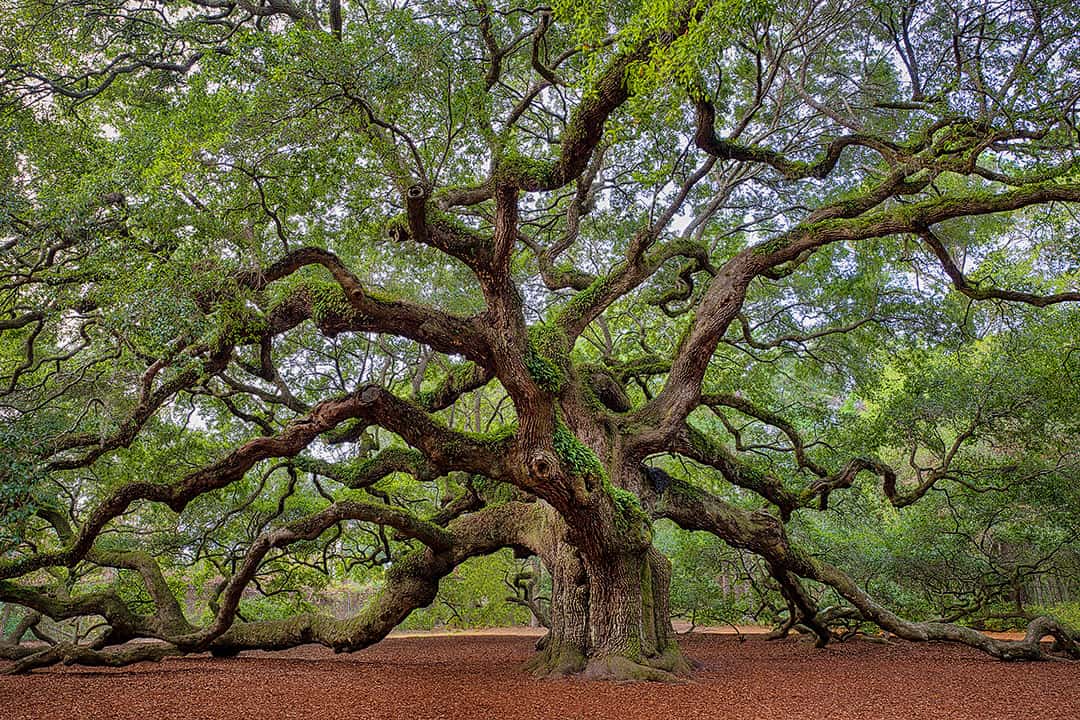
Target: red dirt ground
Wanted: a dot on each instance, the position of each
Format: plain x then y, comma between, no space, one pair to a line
471,677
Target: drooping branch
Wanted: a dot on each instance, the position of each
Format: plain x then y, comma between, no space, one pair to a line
704,450
695,509
979,291
166,46
411,583
307,528
846,476
150,400
769,418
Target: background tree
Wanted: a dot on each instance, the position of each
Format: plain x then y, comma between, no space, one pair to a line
293,291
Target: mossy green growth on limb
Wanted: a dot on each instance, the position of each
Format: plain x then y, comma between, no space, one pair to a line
327,298
629,515
239,323
328,301
546,373
577,456
524,171
546,357
493,438
776,244
586,300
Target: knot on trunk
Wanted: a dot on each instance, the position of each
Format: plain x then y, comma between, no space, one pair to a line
543,464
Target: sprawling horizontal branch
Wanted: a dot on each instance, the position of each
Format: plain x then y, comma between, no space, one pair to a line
20,321
362,311
705,137
910,218
73,654
445,448
411,583
123,621
726,293
698,446
357,474
11,647
308,528
695,509
1030,648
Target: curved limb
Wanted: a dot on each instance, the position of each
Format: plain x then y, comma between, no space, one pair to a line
412,583
763,534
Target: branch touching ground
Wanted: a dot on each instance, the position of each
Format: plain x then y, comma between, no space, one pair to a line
763,534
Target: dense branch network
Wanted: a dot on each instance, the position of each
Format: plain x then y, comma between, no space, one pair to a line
556,469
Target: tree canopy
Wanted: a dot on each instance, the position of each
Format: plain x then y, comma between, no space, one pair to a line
296,291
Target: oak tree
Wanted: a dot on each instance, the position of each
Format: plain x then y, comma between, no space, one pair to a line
291,285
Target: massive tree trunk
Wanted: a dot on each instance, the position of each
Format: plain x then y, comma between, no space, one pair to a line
610,619
629,628
609,606
564,649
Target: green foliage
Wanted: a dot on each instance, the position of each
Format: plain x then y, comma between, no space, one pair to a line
20,481
128,216
1068,613
576,455
545,357
473,596
709,583
546,373
630,516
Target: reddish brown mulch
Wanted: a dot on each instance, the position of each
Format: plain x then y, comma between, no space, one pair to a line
477,677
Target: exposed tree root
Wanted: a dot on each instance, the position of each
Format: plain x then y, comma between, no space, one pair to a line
622,669
556,660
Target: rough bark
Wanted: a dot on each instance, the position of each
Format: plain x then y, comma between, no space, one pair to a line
610,611
610,622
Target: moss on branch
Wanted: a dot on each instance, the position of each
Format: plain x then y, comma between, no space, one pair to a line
547,357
